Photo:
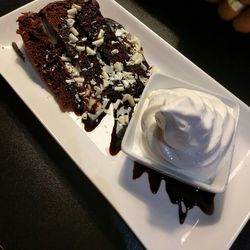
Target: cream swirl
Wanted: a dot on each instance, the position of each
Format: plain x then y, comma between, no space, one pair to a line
186,127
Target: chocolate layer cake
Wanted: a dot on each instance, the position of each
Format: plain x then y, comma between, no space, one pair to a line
91,63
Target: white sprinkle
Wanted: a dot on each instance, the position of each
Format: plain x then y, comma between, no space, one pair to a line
106,83
69,81
101,34
90,51
80,48
118,67
114,42
98,90
105,75
131,80
137,58
129,98
119,88
72,11
85,115
79,79
71,44
118,32
76,56
70,22
74,31
65,58
98,42
136,42
84,39
123,119
128,74
107,69
73,38
71,16
114,52
71,69
76,6
125,83
93,82
117,76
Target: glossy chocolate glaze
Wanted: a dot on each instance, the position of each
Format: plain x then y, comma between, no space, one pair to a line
18,51
185,196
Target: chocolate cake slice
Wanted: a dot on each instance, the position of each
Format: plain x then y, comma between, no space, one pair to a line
100,62
43,55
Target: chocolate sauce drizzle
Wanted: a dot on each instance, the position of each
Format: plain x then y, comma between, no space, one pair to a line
18,51
185,196
90,124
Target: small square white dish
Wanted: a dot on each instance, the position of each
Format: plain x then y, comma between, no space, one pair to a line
134,146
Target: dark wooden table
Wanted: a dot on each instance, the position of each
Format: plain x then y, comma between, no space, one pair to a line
46,202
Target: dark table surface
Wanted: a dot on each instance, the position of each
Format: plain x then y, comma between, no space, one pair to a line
46,202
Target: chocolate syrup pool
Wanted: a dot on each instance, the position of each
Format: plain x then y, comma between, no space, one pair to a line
181,194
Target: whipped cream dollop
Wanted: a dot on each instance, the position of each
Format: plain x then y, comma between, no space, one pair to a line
188,128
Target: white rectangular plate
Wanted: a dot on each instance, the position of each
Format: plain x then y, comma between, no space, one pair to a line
153,218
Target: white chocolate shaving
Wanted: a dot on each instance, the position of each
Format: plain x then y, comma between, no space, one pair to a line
69,81
106,83
101,34
129,98
71,16
105,75
85,115
65,58
70,22
98,90
92,82
73,38
119,88
80,48
107,69
114,52
118,67
79,79
76,6
236,5
72,11
123,119
98,42
74,31
90,51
